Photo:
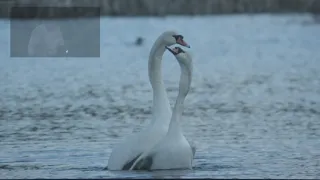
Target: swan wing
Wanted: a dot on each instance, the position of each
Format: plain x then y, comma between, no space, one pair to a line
126,153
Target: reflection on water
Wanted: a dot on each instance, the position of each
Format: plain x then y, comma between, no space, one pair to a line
253,110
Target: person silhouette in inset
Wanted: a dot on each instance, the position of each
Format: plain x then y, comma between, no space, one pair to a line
46,40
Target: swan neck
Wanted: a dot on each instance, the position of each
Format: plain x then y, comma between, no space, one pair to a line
184,86
161,111
155,64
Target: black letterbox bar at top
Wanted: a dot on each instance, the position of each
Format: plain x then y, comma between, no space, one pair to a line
53,12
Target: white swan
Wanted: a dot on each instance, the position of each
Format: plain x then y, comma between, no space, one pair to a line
124,154
173,151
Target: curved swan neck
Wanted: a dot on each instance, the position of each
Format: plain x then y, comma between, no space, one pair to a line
155,62
184,86
161,110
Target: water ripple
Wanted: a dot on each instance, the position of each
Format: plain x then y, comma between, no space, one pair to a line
253,109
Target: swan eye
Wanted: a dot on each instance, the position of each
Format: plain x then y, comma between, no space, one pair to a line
177,37
178,50
175,50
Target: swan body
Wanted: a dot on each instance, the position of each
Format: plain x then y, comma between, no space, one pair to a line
125,154
173,151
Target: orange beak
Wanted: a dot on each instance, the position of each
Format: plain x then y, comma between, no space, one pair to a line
183,43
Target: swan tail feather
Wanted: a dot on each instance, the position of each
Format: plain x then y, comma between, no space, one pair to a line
130,163
143,164
136,162
133,167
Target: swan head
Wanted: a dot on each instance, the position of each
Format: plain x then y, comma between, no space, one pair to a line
181,55
171,38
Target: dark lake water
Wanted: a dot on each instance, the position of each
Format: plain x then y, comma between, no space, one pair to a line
253,110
